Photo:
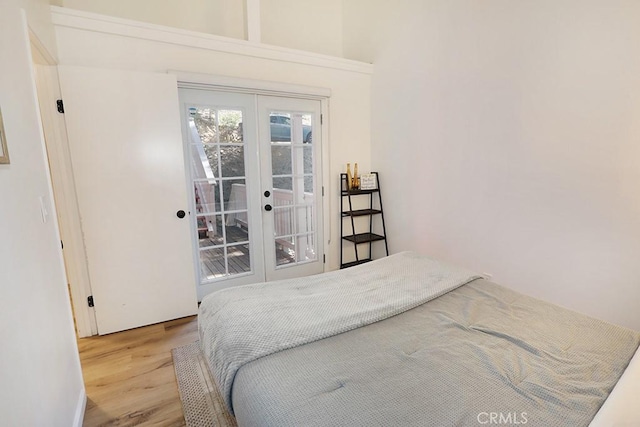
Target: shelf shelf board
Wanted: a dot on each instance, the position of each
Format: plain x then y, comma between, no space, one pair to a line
363,237
355,192
361,212
354,263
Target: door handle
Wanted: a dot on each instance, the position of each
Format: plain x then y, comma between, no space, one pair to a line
180,214
267,208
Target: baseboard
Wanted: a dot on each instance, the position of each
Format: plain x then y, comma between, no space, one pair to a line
78,418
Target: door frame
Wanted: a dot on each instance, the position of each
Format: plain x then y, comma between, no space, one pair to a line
63,184
188,80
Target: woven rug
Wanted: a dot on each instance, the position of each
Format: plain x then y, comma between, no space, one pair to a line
201,402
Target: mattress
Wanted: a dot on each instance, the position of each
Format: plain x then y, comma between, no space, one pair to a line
478,354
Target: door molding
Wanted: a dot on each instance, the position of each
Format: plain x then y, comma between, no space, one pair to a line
188,80
61,172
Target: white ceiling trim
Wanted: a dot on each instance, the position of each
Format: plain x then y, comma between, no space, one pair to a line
65,17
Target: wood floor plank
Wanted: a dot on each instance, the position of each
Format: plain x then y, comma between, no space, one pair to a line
129,376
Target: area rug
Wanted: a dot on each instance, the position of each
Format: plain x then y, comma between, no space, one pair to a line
201,402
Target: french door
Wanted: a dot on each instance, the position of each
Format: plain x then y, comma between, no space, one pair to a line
254,165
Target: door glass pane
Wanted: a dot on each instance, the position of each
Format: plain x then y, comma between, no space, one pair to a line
306,248
304,219
295,249
236,227
221,220
230,125
280,127
307,134
204,119
212,264
301,196
210,231
235,194
281,159
239,259
232,158
283,221
304,155
204,161
285,251
284,184
308,184
207,196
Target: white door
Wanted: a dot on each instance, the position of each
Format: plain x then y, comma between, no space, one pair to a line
256,186
127,156
220,137
290,154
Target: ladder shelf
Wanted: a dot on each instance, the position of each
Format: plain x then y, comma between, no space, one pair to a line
373,213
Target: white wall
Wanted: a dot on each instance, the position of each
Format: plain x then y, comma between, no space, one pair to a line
220,17
507,136
349,105
311,25
40,379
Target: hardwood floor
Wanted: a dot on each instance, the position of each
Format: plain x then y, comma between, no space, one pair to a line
129,376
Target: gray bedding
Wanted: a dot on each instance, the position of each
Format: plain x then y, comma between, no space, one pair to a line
239,325
473,355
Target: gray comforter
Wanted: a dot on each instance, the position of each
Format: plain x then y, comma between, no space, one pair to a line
239,325
478,355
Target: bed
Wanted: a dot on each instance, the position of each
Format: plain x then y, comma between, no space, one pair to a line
407,340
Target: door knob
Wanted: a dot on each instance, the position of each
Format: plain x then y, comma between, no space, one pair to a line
267,208
180,214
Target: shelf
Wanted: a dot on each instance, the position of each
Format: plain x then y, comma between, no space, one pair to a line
361,212
354,263
363,237
371,212
356,192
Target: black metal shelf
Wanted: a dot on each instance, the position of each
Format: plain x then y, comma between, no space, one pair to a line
348,212
362,212
354,263
357,192
363,237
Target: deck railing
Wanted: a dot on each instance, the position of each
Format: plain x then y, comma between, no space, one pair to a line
284,218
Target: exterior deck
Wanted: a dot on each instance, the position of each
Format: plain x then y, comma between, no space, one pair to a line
239,261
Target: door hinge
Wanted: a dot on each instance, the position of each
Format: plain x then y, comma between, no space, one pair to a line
323,191
321,119
90,300
324,258
61,244
60,106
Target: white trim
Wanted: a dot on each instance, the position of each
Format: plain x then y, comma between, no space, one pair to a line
66,202
189,80
326,182
65,17
54,141
40,53
78,418
252,18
